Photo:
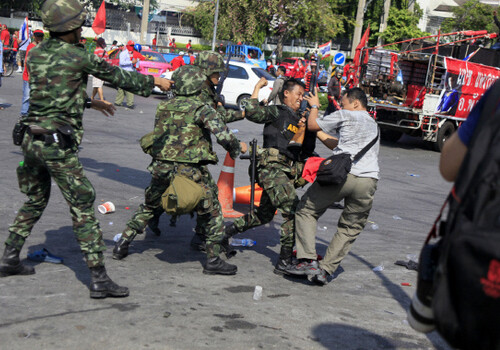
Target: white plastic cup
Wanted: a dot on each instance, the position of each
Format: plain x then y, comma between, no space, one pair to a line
257,293
106,208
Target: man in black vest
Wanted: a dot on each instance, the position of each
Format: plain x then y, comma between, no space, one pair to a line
279,170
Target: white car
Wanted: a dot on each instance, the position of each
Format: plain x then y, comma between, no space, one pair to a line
240,81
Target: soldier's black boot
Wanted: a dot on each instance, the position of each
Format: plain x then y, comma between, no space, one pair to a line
284,261
11,264
198,242
121,249
230,231
227,248
153,225
101,286
217,266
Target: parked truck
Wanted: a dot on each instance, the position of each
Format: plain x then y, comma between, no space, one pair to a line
425,94
248,54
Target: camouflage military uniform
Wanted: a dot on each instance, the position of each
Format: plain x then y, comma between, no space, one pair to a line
183,146
58,81
278,172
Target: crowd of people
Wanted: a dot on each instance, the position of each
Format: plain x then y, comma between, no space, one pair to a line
182,146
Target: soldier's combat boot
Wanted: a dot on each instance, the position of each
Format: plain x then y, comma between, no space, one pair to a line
153,225
198,242
121,249
101,286
227,248
11,264
284,261
217,266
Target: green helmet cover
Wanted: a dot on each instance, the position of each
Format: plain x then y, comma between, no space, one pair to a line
188,80
210,62
62,15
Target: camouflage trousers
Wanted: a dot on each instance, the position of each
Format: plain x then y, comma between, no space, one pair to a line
208,210
278,181
43,163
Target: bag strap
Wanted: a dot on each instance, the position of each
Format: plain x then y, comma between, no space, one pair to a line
366,148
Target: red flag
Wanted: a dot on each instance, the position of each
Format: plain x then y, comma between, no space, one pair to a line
99,25
361,45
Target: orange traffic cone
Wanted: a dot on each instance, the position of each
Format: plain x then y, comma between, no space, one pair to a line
242,194
225,185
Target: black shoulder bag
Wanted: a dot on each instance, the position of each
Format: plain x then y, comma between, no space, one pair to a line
333,170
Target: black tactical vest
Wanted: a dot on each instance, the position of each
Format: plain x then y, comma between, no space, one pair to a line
279,133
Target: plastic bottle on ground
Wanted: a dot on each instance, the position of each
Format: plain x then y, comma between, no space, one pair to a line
245,242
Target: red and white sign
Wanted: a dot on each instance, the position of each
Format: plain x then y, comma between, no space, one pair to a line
471,81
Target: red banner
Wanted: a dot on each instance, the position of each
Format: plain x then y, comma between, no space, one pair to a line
465,83
99,25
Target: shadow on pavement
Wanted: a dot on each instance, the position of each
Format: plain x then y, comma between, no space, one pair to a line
115,172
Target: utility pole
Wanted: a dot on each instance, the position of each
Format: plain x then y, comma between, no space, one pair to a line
383,20
360,14
144,22
216,17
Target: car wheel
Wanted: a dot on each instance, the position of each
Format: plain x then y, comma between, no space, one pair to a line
241,99
443,134
390,135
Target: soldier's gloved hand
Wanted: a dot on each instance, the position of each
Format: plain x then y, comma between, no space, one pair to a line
163,84
243,147
105,107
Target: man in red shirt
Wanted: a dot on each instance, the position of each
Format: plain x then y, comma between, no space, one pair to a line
172,45
38,34
5,36
178,61
188,45
154,43
191,57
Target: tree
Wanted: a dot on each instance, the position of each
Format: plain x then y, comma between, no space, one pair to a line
253,20
472,15
402,24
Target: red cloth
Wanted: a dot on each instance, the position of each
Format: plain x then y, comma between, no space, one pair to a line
177,62
137,56
99,25
15,45
191,59
311,168
154,42
188,46
26,75
100,52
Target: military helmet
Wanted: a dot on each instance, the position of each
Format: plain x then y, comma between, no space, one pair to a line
210,62
63,15
188,80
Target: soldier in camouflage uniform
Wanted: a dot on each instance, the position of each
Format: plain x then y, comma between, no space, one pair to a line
183,145
278,169
58,80
212,65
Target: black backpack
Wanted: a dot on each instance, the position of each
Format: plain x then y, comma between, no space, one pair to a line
466,286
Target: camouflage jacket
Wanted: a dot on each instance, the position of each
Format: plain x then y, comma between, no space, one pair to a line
58,83
208,96
182,132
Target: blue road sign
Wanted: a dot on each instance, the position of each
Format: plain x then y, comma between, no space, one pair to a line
339,58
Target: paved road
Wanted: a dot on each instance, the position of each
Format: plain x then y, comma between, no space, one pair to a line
173,305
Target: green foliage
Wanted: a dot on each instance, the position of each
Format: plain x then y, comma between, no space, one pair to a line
472,15
323,100
402,24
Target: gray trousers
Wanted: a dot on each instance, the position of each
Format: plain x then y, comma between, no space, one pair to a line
358,193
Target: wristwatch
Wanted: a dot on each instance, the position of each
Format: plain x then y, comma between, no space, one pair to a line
314,106
88,103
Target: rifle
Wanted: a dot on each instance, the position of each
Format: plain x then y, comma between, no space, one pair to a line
253,164
218,90
296,142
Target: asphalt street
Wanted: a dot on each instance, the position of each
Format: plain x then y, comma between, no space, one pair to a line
172,304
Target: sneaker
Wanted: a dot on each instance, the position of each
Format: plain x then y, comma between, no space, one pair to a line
131,107
19,70
304,267
320,279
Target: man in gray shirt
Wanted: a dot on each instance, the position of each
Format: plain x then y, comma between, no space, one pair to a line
277,86
354,129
